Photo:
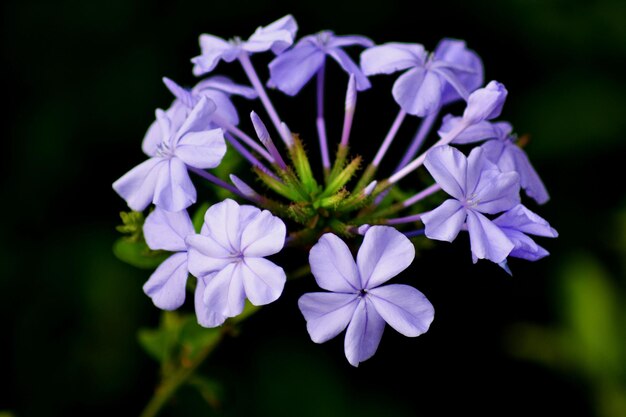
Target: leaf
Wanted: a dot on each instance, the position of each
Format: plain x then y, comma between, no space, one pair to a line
138,254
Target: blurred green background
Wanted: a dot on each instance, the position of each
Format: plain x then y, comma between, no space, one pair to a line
83,80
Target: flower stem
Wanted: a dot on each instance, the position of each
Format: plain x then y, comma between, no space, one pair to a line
217,181
389,138
321,123
244,59
418,140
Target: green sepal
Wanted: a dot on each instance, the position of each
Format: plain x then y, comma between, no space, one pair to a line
132,225
278,186
301,213
340,161
340,180
302,166
333,201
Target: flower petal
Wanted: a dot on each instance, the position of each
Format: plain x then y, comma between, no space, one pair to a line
524,220
225,85
333,266
327,314
213,49
348,65
206,317
445,222
525,247
349,40
174,190
486,239
225,109
278,36
225,293
384,253
198,119
391,57
138,185
364,333
404,308
222,223
263,236
263,280
448,166
202,149
474,133
166,285
206,256
167,230
456,55
290,71
496,191
485,103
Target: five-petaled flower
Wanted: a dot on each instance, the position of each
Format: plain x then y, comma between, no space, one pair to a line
478,187
228,257
357,300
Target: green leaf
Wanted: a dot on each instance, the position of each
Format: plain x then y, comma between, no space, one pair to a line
138,254
210,389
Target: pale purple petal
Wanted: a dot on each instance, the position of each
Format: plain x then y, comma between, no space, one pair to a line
486,239
174,190
206,256
206,317
333,266
348,65
455,53
384,253
202,149
349,40
225,85
496,191
263,236
524,220
138,185
263,280
225,109
213,49
448,166
474,133
224,292
166,285
290,71
485,103
182,94
525,247
392,57
404,308
167,230
418,91
276,36
198,119
364,333
223,224
445,222
327,314
175,115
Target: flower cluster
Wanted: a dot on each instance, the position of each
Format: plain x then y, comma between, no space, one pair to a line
478,162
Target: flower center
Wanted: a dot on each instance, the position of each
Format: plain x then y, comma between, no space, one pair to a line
362,293
164,150
471,201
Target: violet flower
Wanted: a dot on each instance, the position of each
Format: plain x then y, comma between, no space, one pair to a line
478,187
163,179
229,256
451,72
218,89
356,300
291,70
519,222
164,230
501,149
276,36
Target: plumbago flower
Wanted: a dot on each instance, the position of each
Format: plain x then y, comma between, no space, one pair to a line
291,210
357,300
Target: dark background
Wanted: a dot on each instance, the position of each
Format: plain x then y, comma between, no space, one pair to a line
83,80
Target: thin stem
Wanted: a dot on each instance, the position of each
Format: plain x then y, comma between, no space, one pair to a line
407,219
417,162
247,155
389,138
421,195
248,68
350,107
217,181
321,123
418,140
415,233
169,386
235,131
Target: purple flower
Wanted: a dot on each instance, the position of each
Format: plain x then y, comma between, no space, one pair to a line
478,187
357,301
291,70
451,72
163,179
229,256
519,222
502,151
166,287
276,36
485,103
217,89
